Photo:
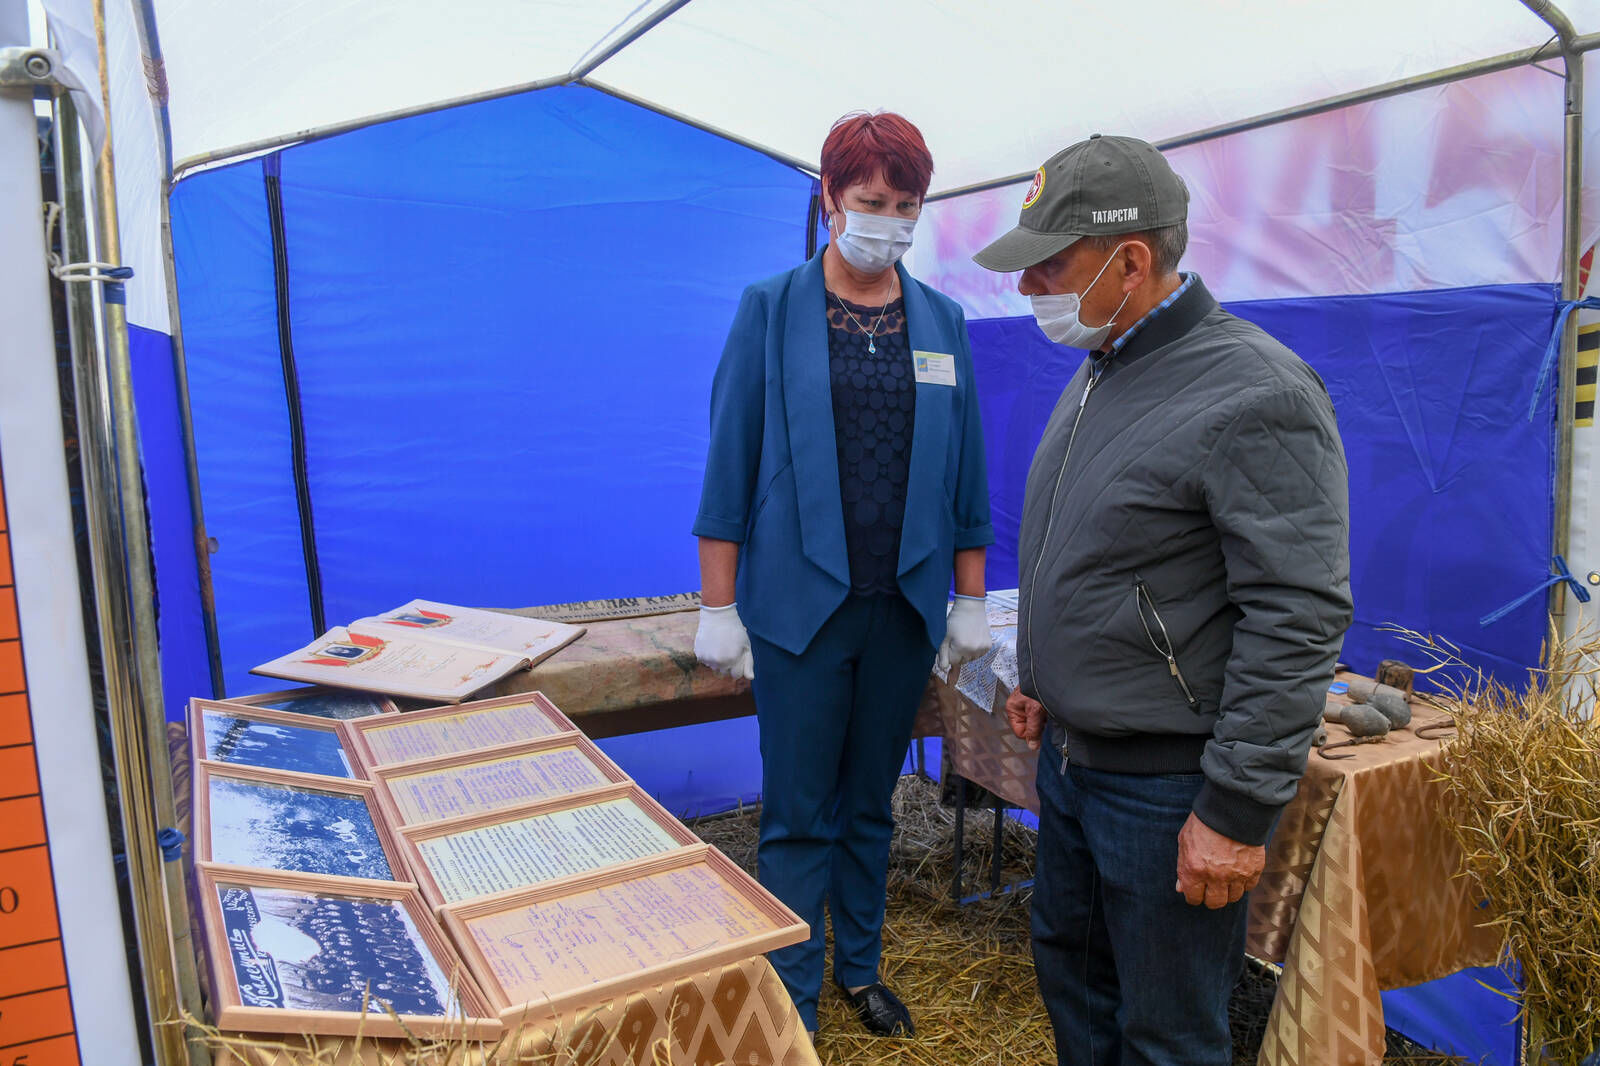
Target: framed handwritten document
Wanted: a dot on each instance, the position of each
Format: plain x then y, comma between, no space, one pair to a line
591,938
322,701
456,728
531,844
257,736
272,820
319,955
477,782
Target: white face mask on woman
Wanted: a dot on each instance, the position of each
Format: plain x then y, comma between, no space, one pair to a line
874,243
1057,315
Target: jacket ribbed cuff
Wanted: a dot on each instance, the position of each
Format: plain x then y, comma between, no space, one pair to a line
718,528
974,537
1235,816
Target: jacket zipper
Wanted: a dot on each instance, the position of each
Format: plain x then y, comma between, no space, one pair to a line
1083,401
1163,647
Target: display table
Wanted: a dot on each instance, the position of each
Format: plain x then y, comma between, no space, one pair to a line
736,1014
1359,892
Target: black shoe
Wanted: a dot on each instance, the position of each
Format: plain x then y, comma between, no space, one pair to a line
881,1011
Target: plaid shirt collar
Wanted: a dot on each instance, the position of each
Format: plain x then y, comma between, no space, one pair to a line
1129,333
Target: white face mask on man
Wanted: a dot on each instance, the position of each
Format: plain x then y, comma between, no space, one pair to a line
1057,315
874,243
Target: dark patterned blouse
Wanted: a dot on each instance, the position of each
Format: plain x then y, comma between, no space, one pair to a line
874,401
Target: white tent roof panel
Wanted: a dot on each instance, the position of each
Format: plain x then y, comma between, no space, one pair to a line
997,87
241,72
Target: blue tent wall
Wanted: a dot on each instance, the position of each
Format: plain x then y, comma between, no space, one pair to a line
223,252
1450,483
505,319
184,669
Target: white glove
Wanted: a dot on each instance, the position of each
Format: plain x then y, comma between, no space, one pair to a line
722,643
966,632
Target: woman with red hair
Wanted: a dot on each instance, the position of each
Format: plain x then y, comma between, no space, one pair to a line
844,486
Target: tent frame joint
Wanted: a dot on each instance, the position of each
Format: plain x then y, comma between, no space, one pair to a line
36,70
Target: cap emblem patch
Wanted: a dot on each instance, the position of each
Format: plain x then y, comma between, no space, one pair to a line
1034,190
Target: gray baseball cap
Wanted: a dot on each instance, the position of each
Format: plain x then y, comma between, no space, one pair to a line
1099,187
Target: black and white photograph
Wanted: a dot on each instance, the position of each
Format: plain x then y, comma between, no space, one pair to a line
299,950
277,826
239,739
328,703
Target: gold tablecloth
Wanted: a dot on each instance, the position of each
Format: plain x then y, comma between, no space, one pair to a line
737,1014
1358,893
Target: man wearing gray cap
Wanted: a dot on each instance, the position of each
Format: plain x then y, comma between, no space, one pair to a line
1184,560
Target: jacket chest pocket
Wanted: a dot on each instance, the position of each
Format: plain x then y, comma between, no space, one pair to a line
1155,631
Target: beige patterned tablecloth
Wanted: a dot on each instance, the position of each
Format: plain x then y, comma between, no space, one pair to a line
1358,894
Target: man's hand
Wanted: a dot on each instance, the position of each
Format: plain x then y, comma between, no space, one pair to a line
1026,717
1212,869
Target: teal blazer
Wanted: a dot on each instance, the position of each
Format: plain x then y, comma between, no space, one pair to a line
772,472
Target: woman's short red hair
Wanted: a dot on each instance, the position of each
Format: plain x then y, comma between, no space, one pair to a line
862,146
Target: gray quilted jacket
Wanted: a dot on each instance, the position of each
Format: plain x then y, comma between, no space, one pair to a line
1185,565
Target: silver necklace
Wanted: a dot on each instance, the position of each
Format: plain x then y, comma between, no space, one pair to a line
872,344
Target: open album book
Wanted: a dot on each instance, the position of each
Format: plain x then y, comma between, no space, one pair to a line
424,650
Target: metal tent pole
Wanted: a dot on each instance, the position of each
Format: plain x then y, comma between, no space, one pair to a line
139,721
1571,235
130,753
155,72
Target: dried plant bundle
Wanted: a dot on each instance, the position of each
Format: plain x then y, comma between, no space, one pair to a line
1523,780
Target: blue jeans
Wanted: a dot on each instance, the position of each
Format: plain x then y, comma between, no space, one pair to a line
1130,973
835,723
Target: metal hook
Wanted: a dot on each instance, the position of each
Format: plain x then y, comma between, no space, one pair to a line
1434,730
1346,744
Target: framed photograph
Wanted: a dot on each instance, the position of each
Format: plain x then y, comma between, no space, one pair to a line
587,939
274,820
381,741
477,782
241,735
518,847
322,701
333,955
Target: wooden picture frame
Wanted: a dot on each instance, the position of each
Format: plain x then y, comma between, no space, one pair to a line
322,701
453,729
490,779
305,755
512,866
314,826
302,911
589,967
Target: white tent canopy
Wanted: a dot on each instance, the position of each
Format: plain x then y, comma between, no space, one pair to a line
996,86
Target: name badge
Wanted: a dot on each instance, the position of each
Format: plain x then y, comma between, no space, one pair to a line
934,368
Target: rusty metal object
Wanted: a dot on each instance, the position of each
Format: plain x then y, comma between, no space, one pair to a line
1396,674
1435,730
1326,748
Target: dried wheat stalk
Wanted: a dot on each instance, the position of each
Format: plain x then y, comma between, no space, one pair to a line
1524,774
